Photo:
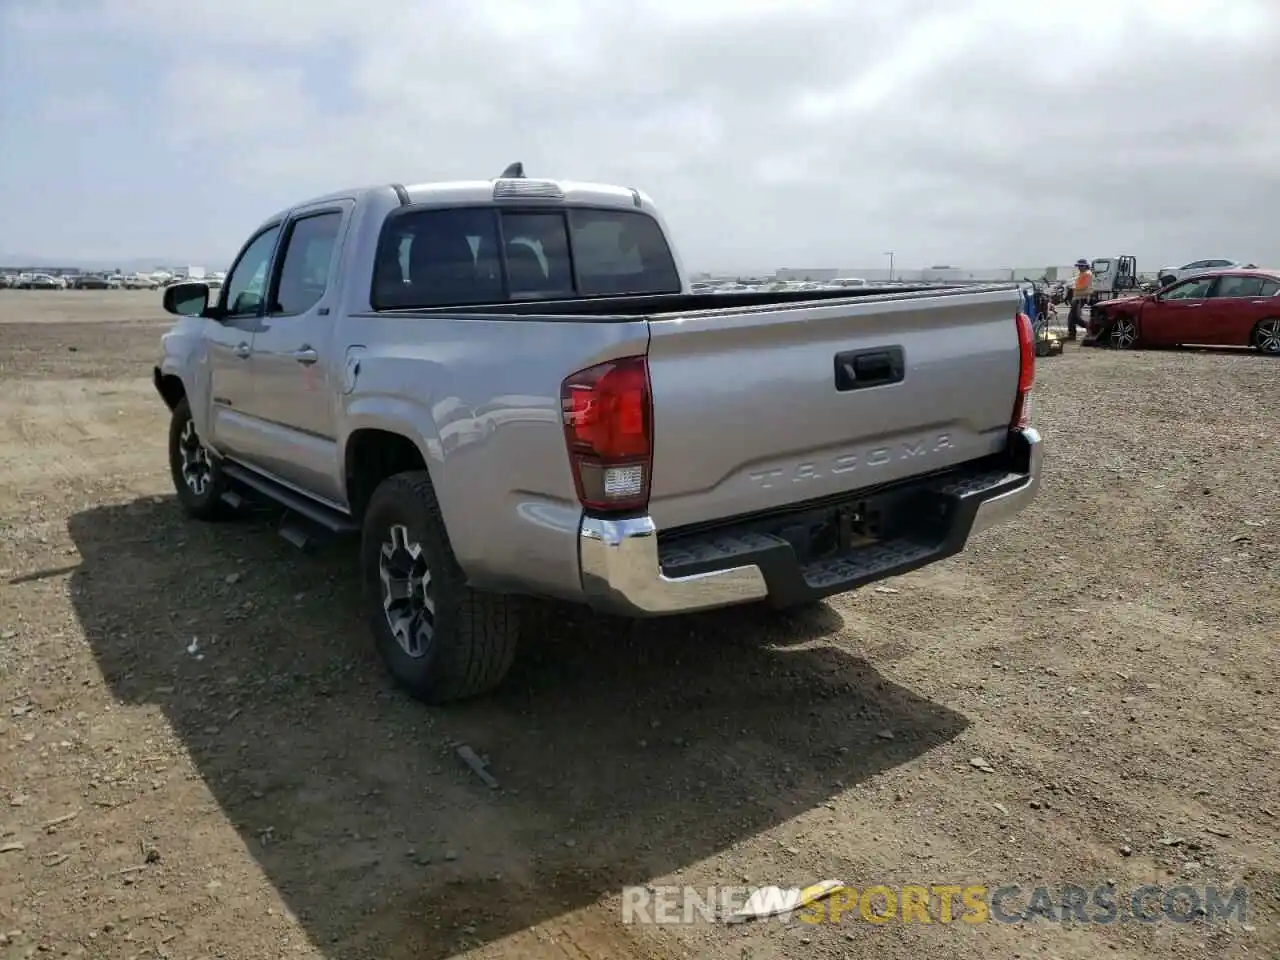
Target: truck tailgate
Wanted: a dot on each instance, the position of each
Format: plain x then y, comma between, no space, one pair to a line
756,409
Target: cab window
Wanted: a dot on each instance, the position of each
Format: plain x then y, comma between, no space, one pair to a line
477,255
247,282
1191,289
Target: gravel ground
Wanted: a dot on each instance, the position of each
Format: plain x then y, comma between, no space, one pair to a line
199,755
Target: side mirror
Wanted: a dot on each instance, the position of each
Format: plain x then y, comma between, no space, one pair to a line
187,299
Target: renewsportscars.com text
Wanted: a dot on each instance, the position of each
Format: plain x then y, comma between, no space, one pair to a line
948,903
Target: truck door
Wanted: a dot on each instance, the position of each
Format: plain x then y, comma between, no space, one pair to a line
1103,275
229,344
1126,273
294,364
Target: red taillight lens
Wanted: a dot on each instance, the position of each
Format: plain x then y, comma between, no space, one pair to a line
1026,372
608,428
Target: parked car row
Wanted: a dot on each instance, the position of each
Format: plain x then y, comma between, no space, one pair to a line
33,281
96,281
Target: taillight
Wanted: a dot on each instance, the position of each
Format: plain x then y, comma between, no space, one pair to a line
1026,372
608,427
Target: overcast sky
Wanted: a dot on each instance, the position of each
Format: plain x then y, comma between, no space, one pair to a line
772,132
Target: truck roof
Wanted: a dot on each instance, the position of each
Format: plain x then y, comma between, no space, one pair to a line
497,190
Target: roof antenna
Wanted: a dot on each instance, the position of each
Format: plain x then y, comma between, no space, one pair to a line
514,172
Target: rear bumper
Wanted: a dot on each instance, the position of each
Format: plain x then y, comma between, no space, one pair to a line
1006,505
622,573
627,570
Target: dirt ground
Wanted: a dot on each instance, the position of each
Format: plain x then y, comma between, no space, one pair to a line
200,756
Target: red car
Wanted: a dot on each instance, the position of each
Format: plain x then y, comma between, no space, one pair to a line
1237,308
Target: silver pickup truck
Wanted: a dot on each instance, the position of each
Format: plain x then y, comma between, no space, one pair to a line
507,390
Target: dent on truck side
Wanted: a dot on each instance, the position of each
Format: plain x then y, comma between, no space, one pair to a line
480,398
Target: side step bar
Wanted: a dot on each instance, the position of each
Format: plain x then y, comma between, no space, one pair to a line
305,521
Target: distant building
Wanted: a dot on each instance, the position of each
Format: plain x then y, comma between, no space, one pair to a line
962,274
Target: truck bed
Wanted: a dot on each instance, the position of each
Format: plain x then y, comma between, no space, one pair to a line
665,304
751,411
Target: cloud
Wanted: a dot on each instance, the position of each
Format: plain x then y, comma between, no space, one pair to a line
982,132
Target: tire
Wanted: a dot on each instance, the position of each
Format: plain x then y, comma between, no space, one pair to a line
200,498
1123,333
460,645
1266,337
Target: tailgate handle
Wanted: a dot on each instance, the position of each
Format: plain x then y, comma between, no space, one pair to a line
859,369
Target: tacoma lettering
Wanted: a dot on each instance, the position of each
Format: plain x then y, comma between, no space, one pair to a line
849,462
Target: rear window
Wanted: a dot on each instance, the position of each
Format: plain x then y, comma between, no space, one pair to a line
467,255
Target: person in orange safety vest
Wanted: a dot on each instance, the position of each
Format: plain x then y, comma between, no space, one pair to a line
1081,291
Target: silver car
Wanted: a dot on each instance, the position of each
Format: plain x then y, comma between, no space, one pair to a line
1168,275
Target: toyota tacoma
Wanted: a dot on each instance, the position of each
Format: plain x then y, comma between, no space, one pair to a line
506,389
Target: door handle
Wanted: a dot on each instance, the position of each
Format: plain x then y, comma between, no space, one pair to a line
242,351
305,355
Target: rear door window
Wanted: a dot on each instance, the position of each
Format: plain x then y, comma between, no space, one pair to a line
1239,287
435,258
304,271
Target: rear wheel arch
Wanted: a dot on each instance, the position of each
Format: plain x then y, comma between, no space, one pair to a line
370,456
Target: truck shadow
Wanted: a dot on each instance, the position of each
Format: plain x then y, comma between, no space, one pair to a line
625,751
